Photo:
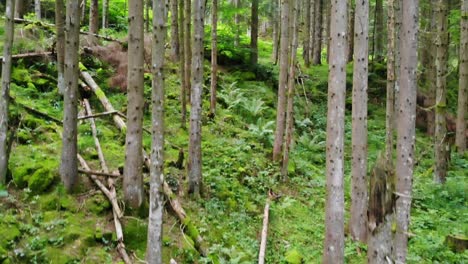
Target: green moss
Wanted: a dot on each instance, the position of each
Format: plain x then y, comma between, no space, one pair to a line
20,173
3,254
293,257
8,233
56,255
20,75
98,255
41,179
190,229
97,204
135,232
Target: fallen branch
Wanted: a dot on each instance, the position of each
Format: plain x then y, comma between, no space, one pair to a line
99,173
35,111
88,116
29,55
261,254
115,209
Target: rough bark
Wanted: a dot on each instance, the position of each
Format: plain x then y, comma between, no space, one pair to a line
254,33
460,139
432,71
389,121
133,179
440,136
326,23
351,26
37,9
20,8
334,221
60,43
406,125
317,52
182,57
155,224
378,31
69,162
283,81
195,154
276,29
175,46
94,17
307,32
188,47
294,28
398,22
237,23
214,56
358,220
5,88
105,12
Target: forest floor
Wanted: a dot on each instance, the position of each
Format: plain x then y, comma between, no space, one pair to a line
40,223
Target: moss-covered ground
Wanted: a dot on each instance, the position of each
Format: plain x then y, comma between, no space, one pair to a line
39,223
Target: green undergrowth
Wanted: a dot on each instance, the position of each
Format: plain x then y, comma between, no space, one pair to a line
39,223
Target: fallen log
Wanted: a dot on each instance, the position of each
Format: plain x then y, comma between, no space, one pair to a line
457,243
261,254
104,101
99,173
88,116
30,55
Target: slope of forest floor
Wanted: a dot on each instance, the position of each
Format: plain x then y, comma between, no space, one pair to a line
40,223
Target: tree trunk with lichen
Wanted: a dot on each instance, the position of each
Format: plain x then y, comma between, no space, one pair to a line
69,160
254,33
214,56
182,57
334,208
358,220
133,178
5,88
60,43
175,44
317,52
188,47
94,17
460,138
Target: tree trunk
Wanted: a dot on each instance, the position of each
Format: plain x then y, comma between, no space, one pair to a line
214,56
390,103
398,22
432,71
283,81
175,50
37,9
358,220
21,7
188,47
307,32
195,162
406,124
182,57
381,208
60,43
462,90
147,4
440,136
69,161
5,92
133,179
334,226
105,12
379,32
94,17
155,219
326,25
294,28
254,33
351,26
317,53
276,30
237,23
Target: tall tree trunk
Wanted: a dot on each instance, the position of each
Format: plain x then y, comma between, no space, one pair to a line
432,70
358,220
254,33
440,137
307,32
214,56
313,15
326,24
69,160
237,23
182,57
21,6
94,17
351,26
334,226
5,92
390,103
317,53
294,28
147,14
195,162
188,47
37,9
175,46
379,31
155,219
276,30
133,179
398,33
406,125
283,81
60,43
105,12
460,139
83,10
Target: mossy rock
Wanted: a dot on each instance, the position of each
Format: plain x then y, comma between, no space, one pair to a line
24,137
20,173
293,257
41,179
